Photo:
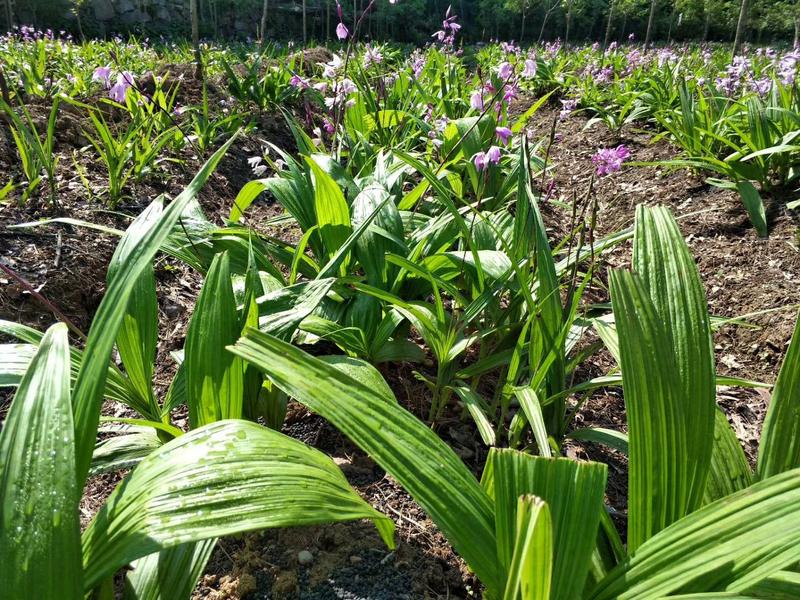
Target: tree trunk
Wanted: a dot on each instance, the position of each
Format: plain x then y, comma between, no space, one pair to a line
547,14
707,25
77,19
198,57
568,23
671,21
797,31
305,23
264,13
328,19
522,29
609,24
741,26
650,21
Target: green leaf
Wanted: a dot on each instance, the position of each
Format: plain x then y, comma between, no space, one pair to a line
39,528
779,449
659,471
783,585
729,545
532,408
730,471
613,439
573,491
667,271
477,409
214,378
333,214
123,451
755,206
171,574
221,479
363,372
138,334
88,391
283,310
411,452
530,573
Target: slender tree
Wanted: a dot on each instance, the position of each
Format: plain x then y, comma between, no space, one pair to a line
741,25
609,23
198,57
305,22
650,21
264,13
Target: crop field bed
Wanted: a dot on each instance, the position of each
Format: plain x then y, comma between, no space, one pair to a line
593,167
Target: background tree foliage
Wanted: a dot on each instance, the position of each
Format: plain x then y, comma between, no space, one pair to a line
526,21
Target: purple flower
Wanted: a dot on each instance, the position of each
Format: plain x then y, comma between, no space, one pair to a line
341,31
493,155
609,160
102,74
298,82
503,134
505,70
567,106
480,160
120,89
476,100
327,125
529,72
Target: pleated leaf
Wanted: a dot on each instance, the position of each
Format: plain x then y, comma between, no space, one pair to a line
138,334
727,546
170,574
395,439
214,377
730,471
573,491
659,467
88,391
779,449
333,214
39,528
664,264
530,574
221,479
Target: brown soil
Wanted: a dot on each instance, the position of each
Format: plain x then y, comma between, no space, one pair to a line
742,275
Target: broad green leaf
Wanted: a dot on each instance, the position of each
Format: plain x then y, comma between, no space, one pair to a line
283,310
214,378
138,334
371,247
730,471
117,385
88,391
477,409
333,214
532,408
574,492
665,266
170,574
363,372
125,450
411,452
221,479
531,569
779,449
783,585
755,206
659,467
39,528
729,545
601,435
